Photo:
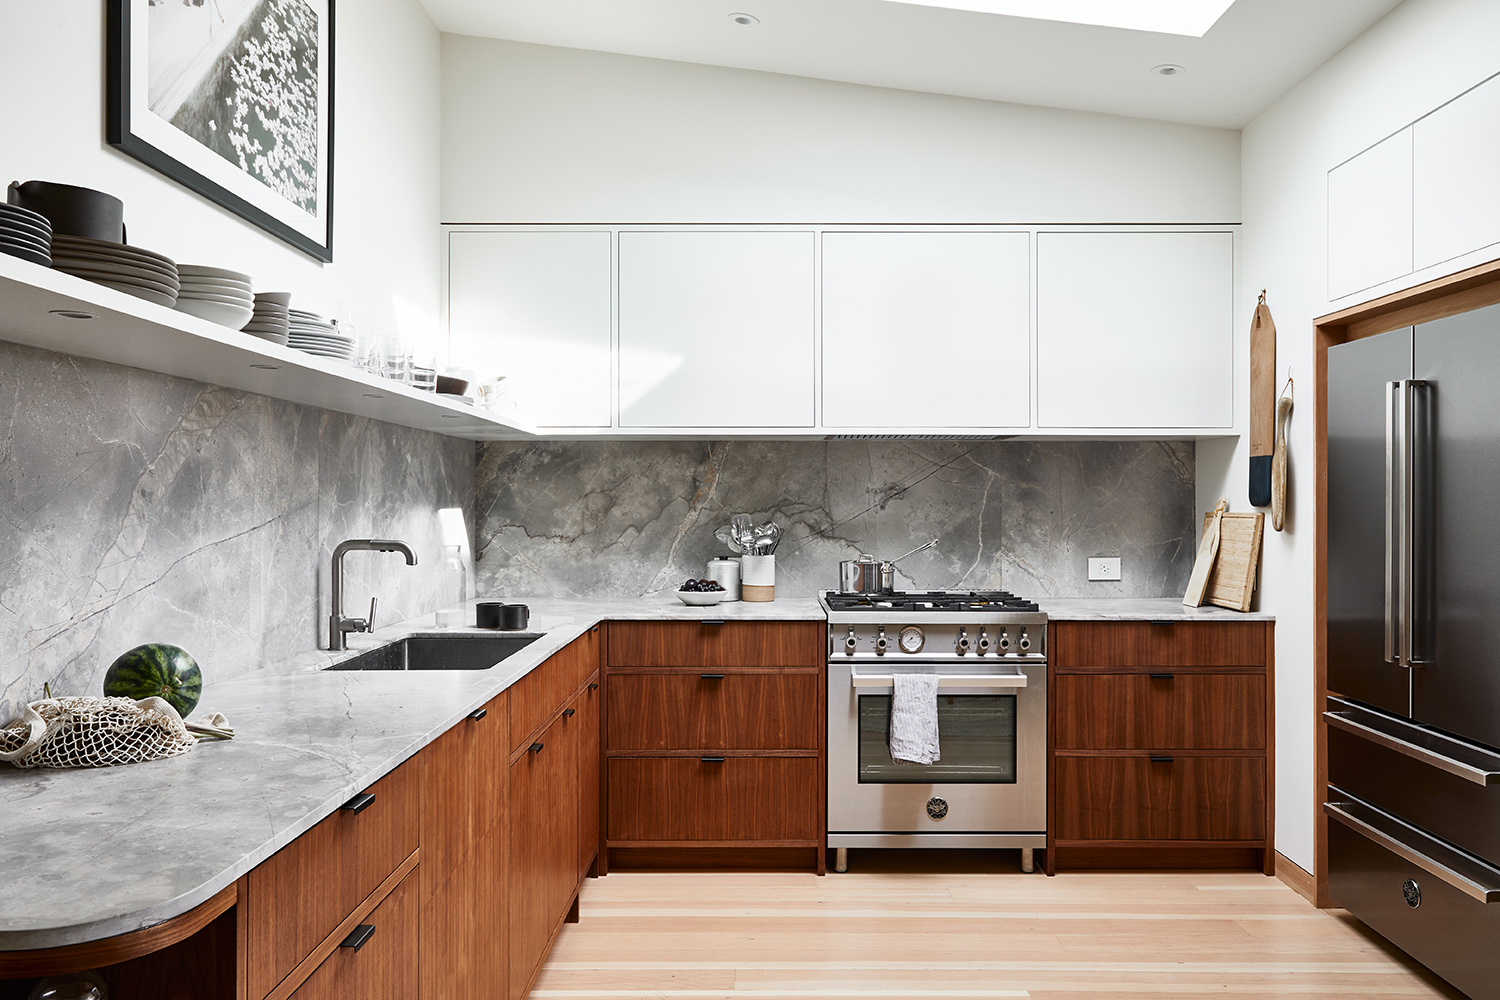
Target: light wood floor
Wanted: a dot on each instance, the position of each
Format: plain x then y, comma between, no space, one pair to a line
893,934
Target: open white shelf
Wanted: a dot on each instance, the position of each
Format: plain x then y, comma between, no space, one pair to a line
129,331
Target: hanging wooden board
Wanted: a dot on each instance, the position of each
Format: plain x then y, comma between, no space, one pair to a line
1232,582
1262,403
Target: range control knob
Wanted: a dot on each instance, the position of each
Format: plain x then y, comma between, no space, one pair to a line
880,642
984,642
963,641
1004,641
850,642
1025,641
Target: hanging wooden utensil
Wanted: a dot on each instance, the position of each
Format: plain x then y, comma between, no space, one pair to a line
1262,402
1208,550
1279,459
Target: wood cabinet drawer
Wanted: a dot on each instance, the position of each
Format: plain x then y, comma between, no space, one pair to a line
725,711
730,645
1143,645
1161,711
535,697
385,967
1183,798
664,799
299,895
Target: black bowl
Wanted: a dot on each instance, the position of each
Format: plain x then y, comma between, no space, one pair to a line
73,211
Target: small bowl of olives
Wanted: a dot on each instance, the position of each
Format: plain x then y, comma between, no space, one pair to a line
701,593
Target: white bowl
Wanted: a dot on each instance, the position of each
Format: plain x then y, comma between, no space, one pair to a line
204,271
222,313
701,599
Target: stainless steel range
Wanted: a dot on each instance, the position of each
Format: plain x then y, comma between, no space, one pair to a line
989,650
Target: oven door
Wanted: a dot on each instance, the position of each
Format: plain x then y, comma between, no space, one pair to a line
992,731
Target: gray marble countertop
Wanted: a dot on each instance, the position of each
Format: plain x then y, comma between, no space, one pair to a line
1084,609
91,853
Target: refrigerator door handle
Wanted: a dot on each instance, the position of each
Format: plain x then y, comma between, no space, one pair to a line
1395,438
1478,775
1485,891
1420,531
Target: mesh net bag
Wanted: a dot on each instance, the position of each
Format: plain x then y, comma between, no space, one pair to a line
94,732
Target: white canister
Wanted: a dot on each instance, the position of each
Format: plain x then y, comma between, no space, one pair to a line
726,573
758,578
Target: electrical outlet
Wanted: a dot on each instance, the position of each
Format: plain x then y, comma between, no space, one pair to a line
1104,568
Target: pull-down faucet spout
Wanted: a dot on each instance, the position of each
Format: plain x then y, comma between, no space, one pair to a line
339,627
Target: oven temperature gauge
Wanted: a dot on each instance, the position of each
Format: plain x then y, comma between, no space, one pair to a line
912,639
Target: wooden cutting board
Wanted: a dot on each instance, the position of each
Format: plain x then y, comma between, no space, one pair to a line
1231,584
1262,403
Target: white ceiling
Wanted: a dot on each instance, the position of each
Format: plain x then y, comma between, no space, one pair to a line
1255,53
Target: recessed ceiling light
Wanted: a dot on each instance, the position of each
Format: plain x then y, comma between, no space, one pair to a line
744,20
374,395
1169,17
72,314
1168,69
268,368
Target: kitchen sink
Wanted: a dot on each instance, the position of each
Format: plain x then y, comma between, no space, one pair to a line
439,652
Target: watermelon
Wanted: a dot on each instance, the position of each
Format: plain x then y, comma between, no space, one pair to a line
156,670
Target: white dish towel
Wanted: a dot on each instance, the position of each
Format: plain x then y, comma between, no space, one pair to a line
913,736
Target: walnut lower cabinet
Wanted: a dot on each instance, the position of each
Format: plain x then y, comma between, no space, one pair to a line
714,745
1162,745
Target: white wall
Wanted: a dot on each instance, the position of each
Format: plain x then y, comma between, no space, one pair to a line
387,146
533,133
1423,54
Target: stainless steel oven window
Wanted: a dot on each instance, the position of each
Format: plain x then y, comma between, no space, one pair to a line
976,734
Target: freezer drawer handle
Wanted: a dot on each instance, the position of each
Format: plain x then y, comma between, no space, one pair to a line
1015,680
1338,720
1464,884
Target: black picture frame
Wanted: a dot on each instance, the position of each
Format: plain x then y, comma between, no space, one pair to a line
120,135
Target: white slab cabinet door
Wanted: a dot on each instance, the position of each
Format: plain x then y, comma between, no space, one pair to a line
535,307
1135,330
1456,177
935,326
716,329
1369,217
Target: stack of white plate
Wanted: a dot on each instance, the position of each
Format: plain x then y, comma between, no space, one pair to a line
25,234
128,269
272,317
313,334
217,295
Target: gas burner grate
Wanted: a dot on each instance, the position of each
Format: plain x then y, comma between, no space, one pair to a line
932,600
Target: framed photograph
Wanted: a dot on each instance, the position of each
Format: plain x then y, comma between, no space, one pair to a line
233,99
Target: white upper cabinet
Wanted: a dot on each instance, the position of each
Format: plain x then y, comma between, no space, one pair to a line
1456,177
1135,330
535,307
1370,217
717,329
927,330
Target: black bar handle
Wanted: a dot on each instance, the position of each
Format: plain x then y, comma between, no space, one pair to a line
358,937
359,803
1162,677
594,629
534,748
713,621
712,760
1160,760
479,713
568,713
593,685
712,677
1161,621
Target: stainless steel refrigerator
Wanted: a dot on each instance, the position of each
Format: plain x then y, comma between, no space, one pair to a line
1413,798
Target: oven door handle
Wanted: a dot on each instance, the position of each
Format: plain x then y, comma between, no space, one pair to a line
1016,680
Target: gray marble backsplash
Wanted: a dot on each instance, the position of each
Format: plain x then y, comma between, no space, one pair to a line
614,519
137,507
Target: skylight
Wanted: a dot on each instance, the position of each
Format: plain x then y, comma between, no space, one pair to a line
1171,17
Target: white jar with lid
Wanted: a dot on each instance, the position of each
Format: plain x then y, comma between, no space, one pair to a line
725,571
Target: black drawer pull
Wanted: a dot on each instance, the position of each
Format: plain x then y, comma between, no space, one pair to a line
534,748
568,713
1162,677
593,685
594,629
1160,760
713,621
359,803
1161,621
712,760
712,677
479,713
358,937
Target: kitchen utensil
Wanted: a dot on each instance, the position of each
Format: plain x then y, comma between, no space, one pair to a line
1231,583
701,598
758,578
888,568
726,535
1208,551
447,385
726,573
1262,402
514,616
1279,458
487,614
72,211
860,576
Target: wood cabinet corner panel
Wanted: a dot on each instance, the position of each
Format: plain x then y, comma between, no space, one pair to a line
656,799
543,855
346,857
1184,798
1140,711
1145,645
535,697
386,967
587,721
726,711
730,645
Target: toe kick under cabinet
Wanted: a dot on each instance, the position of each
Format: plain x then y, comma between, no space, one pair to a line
714,745
1162,745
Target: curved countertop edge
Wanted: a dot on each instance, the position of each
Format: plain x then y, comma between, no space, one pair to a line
272,693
